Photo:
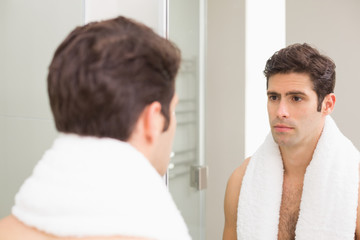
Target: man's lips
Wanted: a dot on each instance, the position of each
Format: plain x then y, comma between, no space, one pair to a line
282,128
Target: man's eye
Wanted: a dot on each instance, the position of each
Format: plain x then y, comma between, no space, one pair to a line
297,99
272,98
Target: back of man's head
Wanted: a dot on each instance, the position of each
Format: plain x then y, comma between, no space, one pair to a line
105,73
302,58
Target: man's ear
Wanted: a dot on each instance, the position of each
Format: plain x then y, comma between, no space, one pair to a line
328,103
153,121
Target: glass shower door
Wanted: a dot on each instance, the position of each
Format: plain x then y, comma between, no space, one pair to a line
187,172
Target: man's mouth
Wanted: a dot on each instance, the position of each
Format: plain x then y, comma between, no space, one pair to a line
282,128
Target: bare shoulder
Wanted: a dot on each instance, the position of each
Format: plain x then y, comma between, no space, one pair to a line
234,185
10,228
13,229
232,198
238,174
235,181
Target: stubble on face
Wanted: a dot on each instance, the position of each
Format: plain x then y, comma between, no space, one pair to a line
282,131
292,109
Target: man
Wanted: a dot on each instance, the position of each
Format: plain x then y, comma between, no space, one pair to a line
111,87
303,181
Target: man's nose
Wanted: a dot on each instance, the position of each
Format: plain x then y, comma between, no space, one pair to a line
282,111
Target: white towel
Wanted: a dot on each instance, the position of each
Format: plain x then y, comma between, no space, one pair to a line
86,186
330,191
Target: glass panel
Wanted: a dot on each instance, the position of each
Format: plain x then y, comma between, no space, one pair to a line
185,31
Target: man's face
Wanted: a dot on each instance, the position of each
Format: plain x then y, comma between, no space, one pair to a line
164,146
292,109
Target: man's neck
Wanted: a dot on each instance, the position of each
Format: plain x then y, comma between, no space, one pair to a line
296,159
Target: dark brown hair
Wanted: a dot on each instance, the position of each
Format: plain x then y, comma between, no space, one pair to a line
302,58
104,74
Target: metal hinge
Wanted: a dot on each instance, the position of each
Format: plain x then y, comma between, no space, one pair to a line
198,177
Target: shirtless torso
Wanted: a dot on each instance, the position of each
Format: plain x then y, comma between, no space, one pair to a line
289,210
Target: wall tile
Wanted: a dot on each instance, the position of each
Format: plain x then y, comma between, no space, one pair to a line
23,142
31,33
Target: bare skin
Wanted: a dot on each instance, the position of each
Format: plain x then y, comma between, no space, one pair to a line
296,126
13,229
289,210
231,201
290,206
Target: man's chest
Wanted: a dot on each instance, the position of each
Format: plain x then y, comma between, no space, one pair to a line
289,210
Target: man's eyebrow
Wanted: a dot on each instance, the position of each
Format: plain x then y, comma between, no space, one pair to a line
295,93
286,94
272,93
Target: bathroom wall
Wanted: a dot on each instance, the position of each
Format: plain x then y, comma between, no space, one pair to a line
225,105
30,33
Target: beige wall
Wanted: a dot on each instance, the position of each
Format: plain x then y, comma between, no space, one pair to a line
224,133
30,34
333,27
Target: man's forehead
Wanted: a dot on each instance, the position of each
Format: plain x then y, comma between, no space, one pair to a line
290,81
291,75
